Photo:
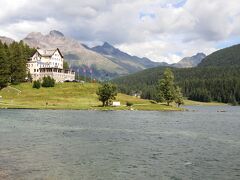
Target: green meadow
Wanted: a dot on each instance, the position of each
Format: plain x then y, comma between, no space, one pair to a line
75,96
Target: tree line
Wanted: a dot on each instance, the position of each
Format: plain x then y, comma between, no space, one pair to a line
13,60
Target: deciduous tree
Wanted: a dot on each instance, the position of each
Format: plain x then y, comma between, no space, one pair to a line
106,93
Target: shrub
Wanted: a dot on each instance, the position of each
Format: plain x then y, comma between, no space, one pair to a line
36,84
48,82
129,103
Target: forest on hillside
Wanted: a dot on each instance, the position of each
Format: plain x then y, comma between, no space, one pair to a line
204,84
13,59
216,78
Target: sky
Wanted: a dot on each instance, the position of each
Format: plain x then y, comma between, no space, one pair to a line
162,30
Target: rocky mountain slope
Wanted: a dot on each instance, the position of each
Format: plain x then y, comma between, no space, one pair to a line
132,62
6,40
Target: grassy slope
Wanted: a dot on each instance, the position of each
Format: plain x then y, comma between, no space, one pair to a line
68,96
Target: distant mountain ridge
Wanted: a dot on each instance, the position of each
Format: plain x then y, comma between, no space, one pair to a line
121,57
189,62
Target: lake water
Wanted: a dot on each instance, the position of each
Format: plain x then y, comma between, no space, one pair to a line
199,144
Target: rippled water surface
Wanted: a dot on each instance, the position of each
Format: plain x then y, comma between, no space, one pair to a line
199,144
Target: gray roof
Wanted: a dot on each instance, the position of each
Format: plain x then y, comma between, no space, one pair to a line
48,52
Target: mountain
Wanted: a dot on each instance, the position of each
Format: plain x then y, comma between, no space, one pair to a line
189,62
131,63
6,40
225,57
78,56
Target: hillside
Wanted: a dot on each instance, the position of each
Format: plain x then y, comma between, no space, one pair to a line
205,84
225,57
68,96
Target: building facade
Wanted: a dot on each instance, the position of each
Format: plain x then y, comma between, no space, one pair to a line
49,62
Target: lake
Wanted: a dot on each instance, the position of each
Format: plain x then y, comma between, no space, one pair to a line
203,143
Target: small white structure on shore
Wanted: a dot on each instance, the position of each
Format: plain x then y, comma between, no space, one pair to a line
116,103
49,62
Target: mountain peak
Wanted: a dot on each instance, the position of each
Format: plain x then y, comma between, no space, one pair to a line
56,33
34,34
107,45
201,54
189,62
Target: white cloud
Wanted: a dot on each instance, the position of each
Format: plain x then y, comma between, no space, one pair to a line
163,30
21,28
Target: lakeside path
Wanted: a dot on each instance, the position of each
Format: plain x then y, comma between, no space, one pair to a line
70,96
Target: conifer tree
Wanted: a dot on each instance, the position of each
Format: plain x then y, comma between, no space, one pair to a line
178,96
166,86
4,67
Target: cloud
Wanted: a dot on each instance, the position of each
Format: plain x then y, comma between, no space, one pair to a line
163,30
167,50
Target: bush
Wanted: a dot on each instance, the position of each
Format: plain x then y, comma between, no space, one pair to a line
48,82
129,103
36,84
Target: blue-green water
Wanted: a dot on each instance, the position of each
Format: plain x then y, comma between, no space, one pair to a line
204,144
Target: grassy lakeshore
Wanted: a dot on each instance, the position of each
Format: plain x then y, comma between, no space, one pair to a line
74,96
196,103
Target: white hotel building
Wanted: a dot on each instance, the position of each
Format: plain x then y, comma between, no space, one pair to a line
49,62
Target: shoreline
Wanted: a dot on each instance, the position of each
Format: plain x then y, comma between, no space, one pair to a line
91,109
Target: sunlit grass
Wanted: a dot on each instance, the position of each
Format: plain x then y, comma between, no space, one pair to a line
69,96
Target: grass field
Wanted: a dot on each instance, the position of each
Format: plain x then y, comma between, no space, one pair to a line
69,96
